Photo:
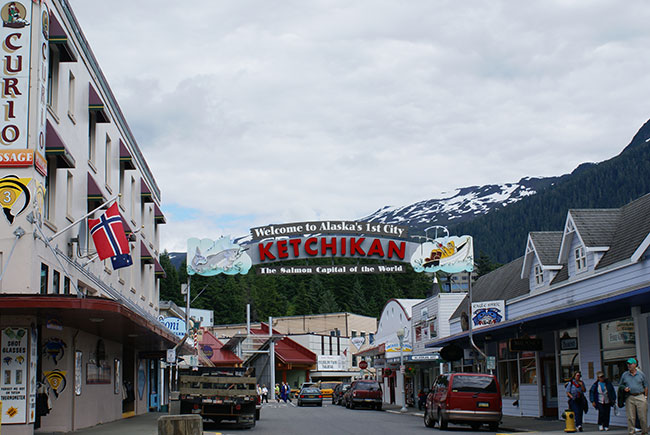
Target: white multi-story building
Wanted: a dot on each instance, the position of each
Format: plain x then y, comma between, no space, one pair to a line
73,328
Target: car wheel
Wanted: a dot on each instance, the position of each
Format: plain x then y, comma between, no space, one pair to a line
347,404
475,426
378,407
442,422
299,403
494,426
352,405
428,419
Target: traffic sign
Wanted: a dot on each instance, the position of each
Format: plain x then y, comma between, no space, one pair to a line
402,369
363,365
171,356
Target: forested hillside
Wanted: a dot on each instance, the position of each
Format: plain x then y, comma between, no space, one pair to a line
615,182
293,294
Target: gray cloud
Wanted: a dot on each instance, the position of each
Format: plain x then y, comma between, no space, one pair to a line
276,111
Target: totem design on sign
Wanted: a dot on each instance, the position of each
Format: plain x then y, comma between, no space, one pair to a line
12,189
16,44
206,257
447,254
487,313
56,380
55,349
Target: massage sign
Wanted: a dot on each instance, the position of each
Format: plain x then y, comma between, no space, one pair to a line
328,239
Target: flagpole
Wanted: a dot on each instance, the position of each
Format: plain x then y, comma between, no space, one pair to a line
82,218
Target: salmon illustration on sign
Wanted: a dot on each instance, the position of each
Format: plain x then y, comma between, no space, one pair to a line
207,257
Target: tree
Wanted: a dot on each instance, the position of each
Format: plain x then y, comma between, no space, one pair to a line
170,289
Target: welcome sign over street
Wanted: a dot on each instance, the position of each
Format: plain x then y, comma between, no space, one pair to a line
328,239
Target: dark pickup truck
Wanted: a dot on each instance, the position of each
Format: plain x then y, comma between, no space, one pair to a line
220,393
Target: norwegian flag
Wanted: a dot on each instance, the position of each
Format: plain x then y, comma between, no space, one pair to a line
110,240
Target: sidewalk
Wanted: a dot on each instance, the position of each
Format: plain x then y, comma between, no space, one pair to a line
522,424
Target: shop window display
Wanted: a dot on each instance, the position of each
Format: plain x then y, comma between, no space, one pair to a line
507,371
617,344
569,361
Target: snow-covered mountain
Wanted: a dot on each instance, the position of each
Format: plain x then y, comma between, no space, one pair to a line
462,204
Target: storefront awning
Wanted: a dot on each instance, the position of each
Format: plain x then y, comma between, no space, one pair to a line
55,147
94,191
145,254
126,158
59,38
158,269
145,192
96,105
373,351
99,316
158,215
617,305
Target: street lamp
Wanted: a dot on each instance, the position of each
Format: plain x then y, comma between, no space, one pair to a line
400,337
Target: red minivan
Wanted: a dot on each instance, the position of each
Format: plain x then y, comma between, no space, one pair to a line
464,398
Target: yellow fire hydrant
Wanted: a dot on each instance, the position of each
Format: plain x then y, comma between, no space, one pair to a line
570,421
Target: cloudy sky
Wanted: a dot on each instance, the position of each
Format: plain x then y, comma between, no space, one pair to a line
256,112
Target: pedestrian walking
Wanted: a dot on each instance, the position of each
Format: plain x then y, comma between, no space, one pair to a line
265,394
277,392
603,397
575,391
422,399
636,403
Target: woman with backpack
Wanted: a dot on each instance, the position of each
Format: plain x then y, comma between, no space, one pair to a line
603,397
575,391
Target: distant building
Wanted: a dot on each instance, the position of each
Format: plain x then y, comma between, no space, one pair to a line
206,317
342,324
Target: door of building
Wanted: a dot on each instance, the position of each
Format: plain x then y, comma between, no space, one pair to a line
549,387
391,387
154,397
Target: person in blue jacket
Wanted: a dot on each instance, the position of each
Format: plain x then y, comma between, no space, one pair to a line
603,397
575,390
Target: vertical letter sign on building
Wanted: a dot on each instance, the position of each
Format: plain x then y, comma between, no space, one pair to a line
16,44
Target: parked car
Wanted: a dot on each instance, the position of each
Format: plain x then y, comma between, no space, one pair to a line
337,394
364,393
311,396
327,388
296,391
464,398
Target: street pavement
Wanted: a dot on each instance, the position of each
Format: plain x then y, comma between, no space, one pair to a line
288,419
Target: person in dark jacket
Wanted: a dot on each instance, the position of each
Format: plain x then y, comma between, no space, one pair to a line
602,396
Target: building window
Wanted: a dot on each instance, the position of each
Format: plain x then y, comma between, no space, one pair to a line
133,199
92,130
569,361
44,277
69,196
66,285
50,190
581,259
56,282
539,275
418,333
354,360
354,333
53,79
528,367
108,162
617,343
71,94
507,371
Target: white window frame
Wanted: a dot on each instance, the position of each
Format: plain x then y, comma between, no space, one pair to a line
580,259
539,274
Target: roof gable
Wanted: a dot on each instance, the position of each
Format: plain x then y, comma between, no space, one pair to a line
630,234
545,246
